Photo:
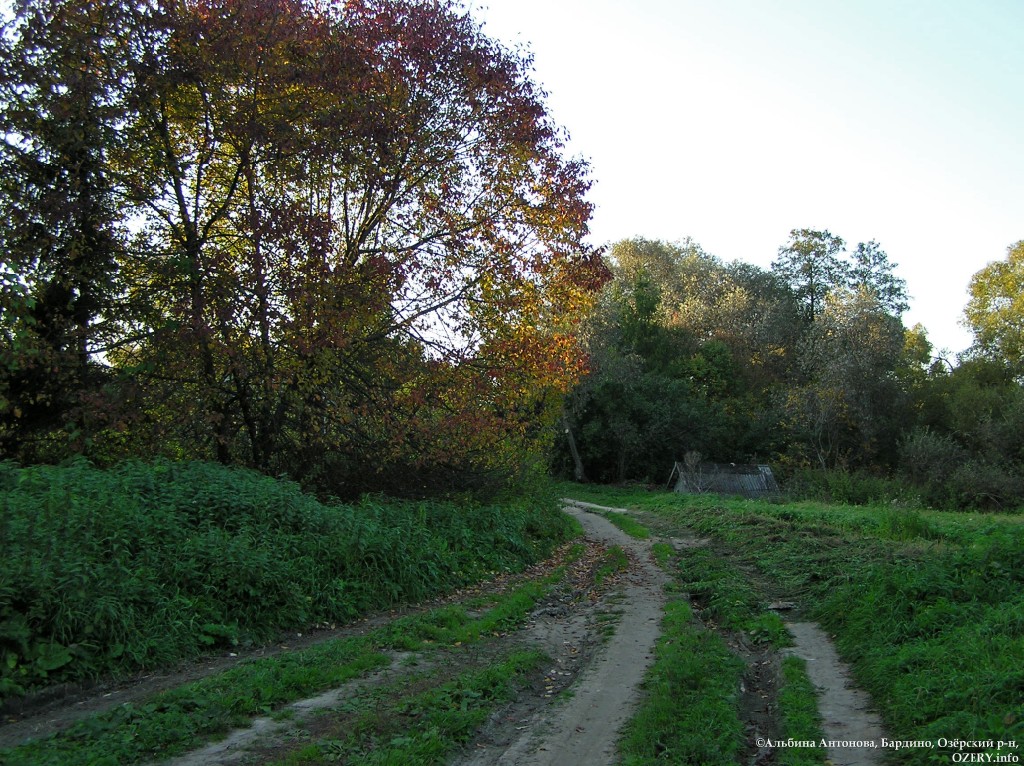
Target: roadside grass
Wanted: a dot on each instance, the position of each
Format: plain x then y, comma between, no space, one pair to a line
627,524
418,727
172,722
927,607
108,572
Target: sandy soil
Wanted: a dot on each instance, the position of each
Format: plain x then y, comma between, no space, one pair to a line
845,710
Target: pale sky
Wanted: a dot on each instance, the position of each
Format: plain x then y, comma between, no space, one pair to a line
735,121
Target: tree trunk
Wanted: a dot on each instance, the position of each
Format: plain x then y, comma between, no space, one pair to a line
577,464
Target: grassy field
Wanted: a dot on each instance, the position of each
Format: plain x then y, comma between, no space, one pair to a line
928,608
108,572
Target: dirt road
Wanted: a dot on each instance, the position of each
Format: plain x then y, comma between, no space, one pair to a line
584,728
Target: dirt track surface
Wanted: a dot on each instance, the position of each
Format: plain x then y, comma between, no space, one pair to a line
585,727
845,710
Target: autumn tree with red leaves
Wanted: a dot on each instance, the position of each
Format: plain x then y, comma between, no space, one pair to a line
350,242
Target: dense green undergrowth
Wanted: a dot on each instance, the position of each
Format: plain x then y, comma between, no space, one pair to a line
141,565
173,721
928,607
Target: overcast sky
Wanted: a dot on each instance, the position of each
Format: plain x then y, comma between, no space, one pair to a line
735,121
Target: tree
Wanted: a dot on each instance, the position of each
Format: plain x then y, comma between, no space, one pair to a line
871,270
371,242
63,83
968,450
686,354
810,263
355,238
849,410
995,310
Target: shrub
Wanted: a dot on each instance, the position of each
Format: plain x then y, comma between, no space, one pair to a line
949,477
849,488
985,485
929,459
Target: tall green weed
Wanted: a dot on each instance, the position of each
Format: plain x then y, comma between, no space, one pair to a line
146,563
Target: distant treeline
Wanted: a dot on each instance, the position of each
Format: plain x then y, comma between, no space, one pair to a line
805,366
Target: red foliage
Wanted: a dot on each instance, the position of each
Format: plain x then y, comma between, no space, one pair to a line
360,235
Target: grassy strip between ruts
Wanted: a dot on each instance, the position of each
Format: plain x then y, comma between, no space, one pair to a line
627,524
709,685
419,728
799,716
691,712
732,602
175,721
905,593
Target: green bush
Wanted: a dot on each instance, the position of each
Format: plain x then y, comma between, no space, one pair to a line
849,488
985,485
143,564
949,477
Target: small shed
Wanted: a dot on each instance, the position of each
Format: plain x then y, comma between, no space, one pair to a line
724,479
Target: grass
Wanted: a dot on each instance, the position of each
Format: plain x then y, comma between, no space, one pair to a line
612,562
728,601
727,598
799,717
927,607
689,713
107,572
175,721
421,727
627,524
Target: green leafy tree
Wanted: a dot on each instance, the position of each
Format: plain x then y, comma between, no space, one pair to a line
871,270
683,350
63,101
995,310
967,450
850,409
811,264
814,263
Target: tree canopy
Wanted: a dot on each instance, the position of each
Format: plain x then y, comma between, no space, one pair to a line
303,228
995,310
814,263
